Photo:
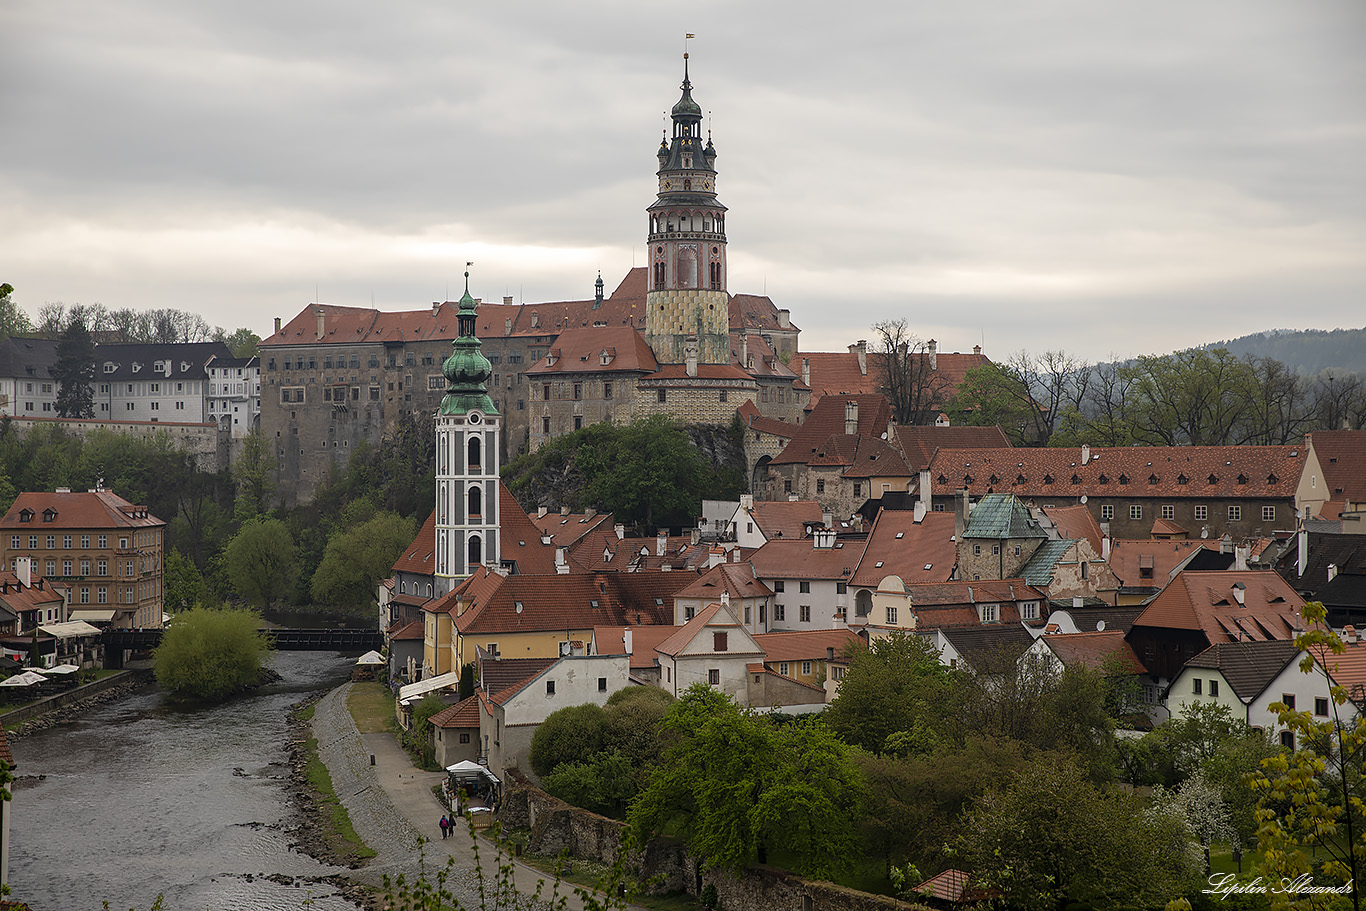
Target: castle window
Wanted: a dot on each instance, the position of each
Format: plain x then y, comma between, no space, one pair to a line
606,390
663,395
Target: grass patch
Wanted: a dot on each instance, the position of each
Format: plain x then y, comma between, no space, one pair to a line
337,830
372,706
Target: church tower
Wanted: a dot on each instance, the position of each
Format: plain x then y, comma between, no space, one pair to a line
687,303
467,429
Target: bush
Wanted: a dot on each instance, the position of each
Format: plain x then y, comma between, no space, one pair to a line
211,653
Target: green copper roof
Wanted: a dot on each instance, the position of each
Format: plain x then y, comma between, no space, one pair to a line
1001,516
1039,569
467,371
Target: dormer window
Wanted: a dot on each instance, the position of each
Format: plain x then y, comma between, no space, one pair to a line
49,514
1076,479
1152,479
110,366
1272,479
1104,478
1242,479
993,480
25,515
1019,479
1182,479
1048,479
1124,479
137,368
1214,478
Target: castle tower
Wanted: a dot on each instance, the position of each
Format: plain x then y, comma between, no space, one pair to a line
467,429
687,303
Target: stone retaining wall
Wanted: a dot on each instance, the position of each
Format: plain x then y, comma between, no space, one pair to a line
666,866
62,700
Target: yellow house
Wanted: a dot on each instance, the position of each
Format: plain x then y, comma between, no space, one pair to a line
541,616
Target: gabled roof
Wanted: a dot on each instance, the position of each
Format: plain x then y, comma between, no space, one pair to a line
464,714
784,559
95,509
406,632
1147,563
1039,569
917,552
712,617
566,529
919,442
27,358
1008,640
1088,618
420,557
1075,522
1166,528
1002,516
1209,472
519,538
1209,602
1095,650
18,598
786,518
954,604
734,579
812,439
498,675
542,603
611,640
754,311
753,420
805,645
1247,666
1349,670
616,349
1342,456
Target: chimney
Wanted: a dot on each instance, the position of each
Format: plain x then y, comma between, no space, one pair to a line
322,323
932,347
960,513
546,538
977,350
436,307
744,348
564,510
507,326
696,538
863,357
851,417
716,556
919,511
1078,602
277,325
535,319
747,501
827,520
1302,555
507,301
1349,634
925,491
823,538
626,636
620,530
661,542
541,511
806,371
735,555
1240,554
1105,548
1085,453
562,560
784,319
23,568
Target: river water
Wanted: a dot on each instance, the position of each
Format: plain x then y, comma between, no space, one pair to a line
143,798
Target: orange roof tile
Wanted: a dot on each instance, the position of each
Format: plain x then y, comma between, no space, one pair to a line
1209,602
561,602
1149,562
567,529
786,518
96,509
1094,650
897,545
605,350
918,443
1342,456
464,714
801,559
752,419
734,579
1075,522
420,557
827,420
805,645
611,640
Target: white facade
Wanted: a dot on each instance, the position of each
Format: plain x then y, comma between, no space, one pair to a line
466,496
807,604
29,397
234,394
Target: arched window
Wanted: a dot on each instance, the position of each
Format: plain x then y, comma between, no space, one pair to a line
476,503
474,454
476,551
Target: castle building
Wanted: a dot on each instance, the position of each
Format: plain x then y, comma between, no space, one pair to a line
467,429
670,339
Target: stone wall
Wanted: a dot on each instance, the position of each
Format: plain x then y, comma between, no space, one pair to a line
61,700
665,866
205,442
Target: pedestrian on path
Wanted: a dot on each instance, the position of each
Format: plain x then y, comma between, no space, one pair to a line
445,827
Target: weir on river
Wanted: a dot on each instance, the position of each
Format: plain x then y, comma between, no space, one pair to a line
142,798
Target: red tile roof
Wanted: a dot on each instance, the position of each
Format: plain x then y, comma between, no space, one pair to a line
18,598
407,631
1130,558
905,548
607,350
788,559
753,311
567,529
464,714
420,557
786,518
805,645
919,443
837,373
752,419
813,438
520,539
1208,601
1095,650
561,602
1342,456
611,640
1206,472
1074,523
735,579
951,885
1165,528
97,509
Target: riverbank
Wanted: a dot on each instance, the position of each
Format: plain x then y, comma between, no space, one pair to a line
54,710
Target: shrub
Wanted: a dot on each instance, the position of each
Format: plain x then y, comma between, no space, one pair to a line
211,653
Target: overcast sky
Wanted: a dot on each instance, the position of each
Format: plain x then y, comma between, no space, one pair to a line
1113,177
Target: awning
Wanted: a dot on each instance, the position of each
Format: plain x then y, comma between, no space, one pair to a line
414,691
467,770
370,658
70,629
93,616
60,670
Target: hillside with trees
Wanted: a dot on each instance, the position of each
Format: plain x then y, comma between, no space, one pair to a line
1304,351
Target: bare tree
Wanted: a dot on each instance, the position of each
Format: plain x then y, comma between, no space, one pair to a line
1339,399
907,375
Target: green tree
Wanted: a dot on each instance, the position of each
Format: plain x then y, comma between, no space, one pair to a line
75,372
733,787
211,653
603,784
895,686
997,395
418,737
13,320
241,342
356,559
185,588
1314,797
252,471
656,474
1052,838
570,734
261,560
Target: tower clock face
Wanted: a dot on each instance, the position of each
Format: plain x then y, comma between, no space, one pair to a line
668,184
706,184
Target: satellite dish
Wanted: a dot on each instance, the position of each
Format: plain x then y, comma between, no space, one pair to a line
1100,626
1083,499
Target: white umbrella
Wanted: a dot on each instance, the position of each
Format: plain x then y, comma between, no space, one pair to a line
27,678
370,658
59,669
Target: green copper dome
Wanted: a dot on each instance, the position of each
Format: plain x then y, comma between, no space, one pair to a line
467,371
687,109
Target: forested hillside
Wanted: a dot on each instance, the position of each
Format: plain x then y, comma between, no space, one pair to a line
1307,351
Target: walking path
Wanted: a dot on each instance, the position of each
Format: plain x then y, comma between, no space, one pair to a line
391,805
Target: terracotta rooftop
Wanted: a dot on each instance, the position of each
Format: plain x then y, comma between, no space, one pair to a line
420,557
837,372
1095,651
1075,522
99,509
1342,456
919,443
734,579
407,631
1227,606
497,675
786,518
788,559
897,545
1207,472
827,419
611,640
540,603
752,419
805,645
567,529
1148,563
464,714
609,350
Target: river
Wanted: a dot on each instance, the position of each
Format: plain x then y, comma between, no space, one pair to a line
144,798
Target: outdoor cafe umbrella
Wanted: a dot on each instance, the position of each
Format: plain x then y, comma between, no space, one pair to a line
60,670
27,678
